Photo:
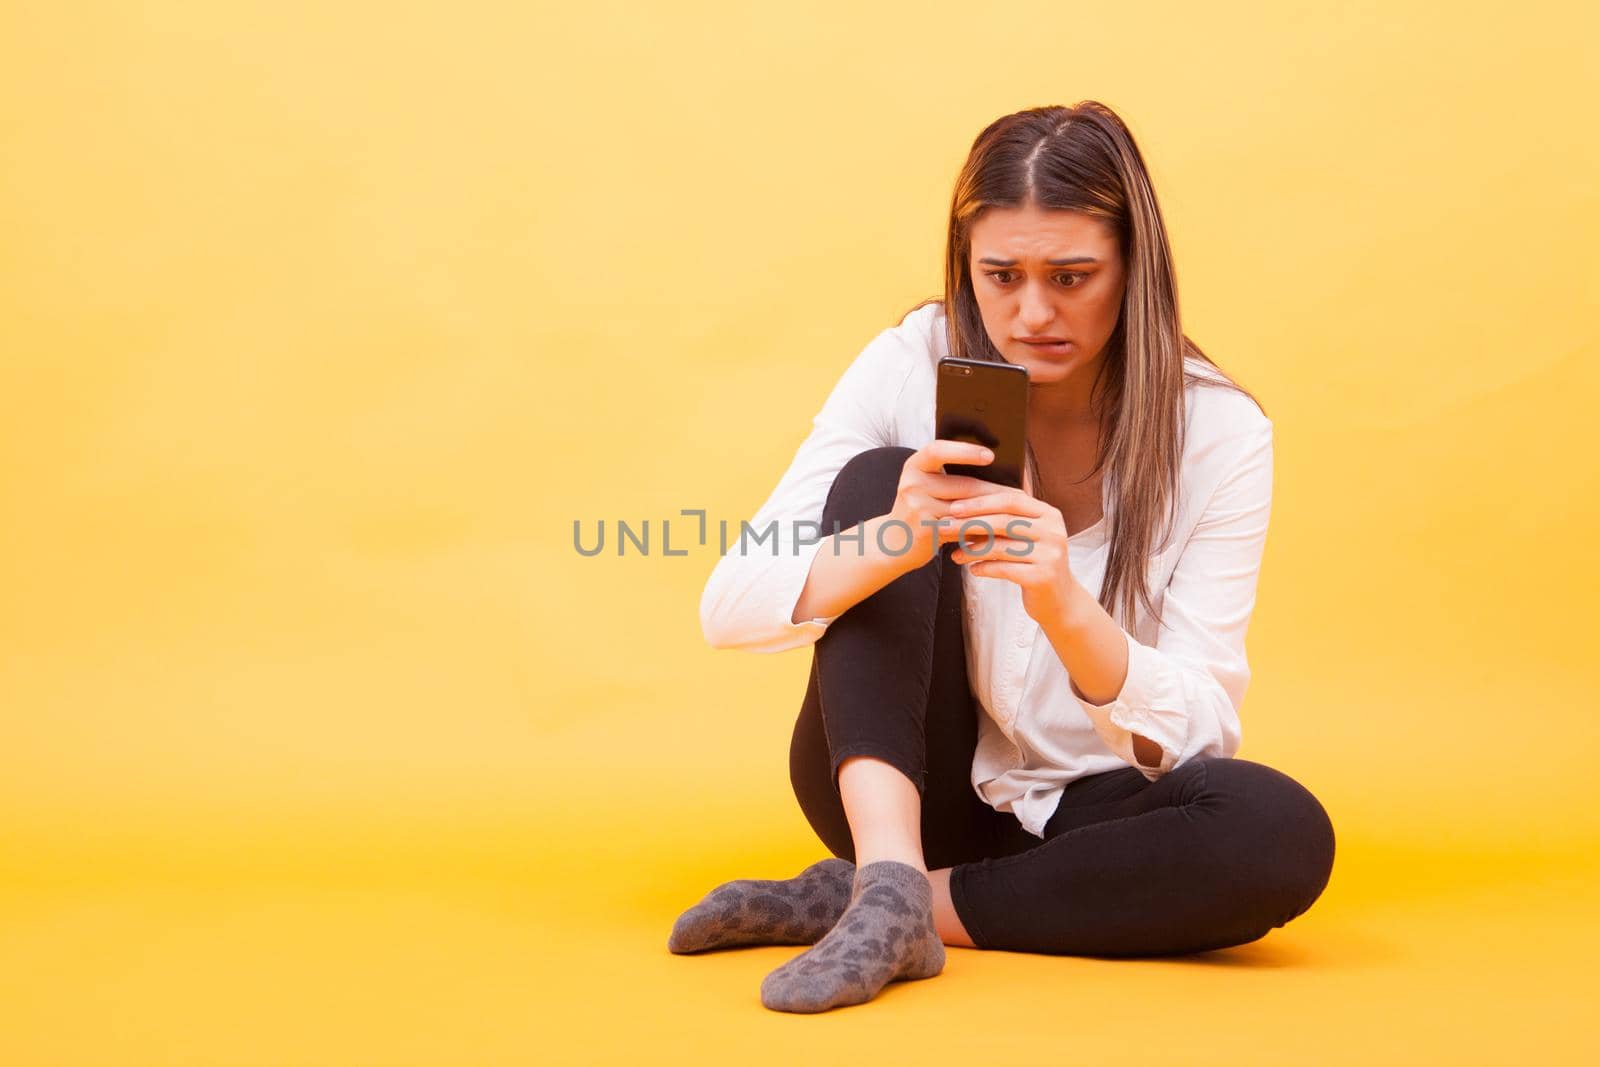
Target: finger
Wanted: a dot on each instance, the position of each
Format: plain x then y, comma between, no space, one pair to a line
981,543
984,487
955,486
1006,500
989,568
988,527
932,456
971,530
1003,548
998,524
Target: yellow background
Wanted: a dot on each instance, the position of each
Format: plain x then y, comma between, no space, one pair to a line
322,323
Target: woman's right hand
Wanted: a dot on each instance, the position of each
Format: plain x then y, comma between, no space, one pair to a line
925,493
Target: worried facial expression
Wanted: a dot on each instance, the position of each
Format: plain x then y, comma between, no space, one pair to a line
1049,285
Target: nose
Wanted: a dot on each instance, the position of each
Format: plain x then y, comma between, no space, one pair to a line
1035,310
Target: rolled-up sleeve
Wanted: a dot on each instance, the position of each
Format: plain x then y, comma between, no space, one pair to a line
1184,694
750,596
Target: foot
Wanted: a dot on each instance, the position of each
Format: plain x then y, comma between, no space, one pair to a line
886,934
753,911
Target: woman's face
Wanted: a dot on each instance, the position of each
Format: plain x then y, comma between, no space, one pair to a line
1023,294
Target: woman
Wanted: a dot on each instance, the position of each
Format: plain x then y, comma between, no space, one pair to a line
1025,744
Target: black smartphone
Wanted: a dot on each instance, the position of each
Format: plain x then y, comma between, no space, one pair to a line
987,404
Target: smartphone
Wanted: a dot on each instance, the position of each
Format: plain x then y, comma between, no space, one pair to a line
987,404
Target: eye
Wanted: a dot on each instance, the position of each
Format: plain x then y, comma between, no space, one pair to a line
1074,278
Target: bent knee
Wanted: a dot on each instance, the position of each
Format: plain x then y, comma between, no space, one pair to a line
1280,830
865,486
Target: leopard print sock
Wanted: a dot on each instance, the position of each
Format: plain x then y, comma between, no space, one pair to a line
753,911
886,934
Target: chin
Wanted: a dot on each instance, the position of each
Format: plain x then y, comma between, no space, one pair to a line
1047,370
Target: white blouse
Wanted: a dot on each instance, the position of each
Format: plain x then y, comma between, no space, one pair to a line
1185,683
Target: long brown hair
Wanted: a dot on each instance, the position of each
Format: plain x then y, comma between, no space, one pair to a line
1084,159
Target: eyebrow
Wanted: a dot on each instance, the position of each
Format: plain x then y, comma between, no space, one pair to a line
1068,262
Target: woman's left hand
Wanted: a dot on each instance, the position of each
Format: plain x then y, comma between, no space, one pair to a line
1023,540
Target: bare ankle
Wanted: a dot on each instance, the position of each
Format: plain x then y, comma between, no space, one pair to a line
906,856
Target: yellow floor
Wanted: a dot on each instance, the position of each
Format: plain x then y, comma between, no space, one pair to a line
308,946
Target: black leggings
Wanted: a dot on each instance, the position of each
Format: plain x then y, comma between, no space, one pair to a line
1216,852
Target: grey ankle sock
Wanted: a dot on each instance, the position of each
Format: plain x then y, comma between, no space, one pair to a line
754,911
886,934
